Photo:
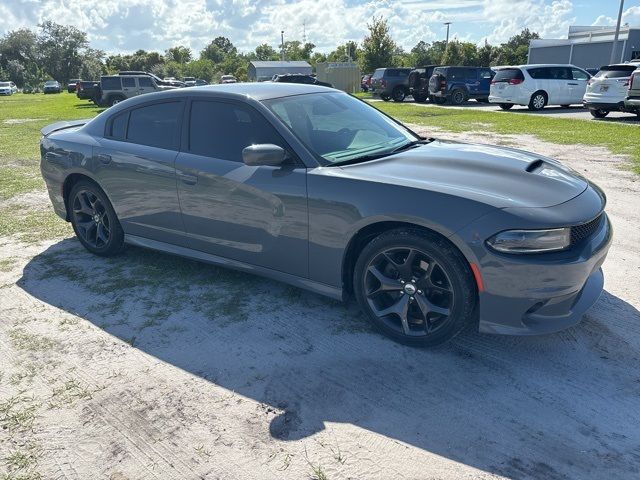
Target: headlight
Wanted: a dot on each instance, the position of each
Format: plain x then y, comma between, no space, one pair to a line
531,241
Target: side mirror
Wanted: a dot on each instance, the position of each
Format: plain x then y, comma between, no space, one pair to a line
263,154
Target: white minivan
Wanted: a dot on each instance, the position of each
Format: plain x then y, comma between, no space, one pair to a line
607,90
537,86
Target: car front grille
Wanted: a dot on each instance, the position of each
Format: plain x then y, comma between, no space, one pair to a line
581,232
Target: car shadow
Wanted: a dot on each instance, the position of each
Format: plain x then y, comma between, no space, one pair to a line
556,406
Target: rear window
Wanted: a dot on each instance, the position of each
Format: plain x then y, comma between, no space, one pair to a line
156,125
507,74
616,71
378,73
111,83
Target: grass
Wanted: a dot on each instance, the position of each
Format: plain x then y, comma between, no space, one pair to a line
618,138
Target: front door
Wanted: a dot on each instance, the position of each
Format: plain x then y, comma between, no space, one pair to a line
578,86
253,214
145,85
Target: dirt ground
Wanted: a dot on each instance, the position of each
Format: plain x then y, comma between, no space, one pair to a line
150,366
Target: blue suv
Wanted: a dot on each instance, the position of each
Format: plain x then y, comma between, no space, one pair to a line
459,84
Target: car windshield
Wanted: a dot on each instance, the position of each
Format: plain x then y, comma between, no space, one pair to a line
615,71
51,82
339,127
5,84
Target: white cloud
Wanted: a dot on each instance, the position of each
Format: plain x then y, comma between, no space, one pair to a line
630,16
127,25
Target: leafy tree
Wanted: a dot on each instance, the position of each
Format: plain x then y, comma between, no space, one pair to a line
20,45
515,50
203,68
266,52
225,45
295,50
60,50
213,53
16,72
92,65
485,54
179,54
348,51
377,46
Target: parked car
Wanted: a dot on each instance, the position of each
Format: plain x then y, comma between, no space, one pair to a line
228,79
8,88
189,81
200,82
71,86
51,86
300,78
390,83
88,90
459,84
116,88
537,86
327,193
607,91
592,71
167,82
365,82
418,82
632,101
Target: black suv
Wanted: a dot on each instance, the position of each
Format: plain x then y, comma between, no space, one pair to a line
390,83
300,78
418,82
459,84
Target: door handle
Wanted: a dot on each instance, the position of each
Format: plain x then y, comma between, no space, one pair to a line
104,158
572,83
188,179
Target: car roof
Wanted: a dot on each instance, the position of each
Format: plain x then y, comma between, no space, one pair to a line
257,90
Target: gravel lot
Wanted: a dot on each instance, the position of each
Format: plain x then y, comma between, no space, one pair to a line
151,366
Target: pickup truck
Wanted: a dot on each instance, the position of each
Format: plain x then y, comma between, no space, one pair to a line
632,102
88,89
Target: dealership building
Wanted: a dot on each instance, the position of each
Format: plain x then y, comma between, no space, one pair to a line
587,47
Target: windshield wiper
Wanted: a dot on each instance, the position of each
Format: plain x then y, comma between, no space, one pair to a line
375,156
412,144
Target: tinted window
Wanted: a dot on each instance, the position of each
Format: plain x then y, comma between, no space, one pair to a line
145,82
378,73
118,129
156,125
223,130
506,74
486,73
560,73
470,74
578,74
539,73
111,83
128,82
455,73
619,71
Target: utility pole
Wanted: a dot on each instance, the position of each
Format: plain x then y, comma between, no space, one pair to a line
304,32
282,45
447,42
615,37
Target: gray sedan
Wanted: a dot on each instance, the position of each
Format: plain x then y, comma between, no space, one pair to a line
316,188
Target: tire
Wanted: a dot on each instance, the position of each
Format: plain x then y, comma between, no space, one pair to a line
538,101
598,112
437,303
506,106
439,100
385,97
458,97
398,94
115,99
94,220
419,98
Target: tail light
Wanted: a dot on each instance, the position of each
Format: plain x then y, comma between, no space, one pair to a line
515,81
630,82
493,82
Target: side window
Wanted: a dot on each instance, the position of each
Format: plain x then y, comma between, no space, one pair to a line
145,82
391,72
128,82
560,73
156,125
111,83
470,74
118,128
485,73
579,74
455,74
222,130
539,73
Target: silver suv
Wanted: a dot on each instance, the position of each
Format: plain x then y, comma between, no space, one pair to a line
116,88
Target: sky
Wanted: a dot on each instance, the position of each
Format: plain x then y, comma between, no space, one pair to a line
123,26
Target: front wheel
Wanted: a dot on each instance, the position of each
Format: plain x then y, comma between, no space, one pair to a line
599,113
398,94
415,287
94,220
385,97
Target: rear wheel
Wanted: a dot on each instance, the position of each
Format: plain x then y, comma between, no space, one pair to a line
538,101
94,220
415,287
599,113
385,97
419,97
398,94
506,106
458,97
115,99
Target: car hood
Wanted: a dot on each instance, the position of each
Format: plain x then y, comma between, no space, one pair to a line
499,176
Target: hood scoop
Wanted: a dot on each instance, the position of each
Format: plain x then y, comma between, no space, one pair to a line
533,166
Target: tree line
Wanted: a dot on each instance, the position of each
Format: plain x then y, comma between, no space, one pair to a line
52,51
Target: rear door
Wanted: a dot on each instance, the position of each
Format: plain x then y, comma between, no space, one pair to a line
135,166
559,85
252,214
472,81
129,87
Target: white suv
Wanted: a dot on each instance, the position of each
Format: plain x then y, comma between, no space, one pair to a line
607,90
8,88
537,86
